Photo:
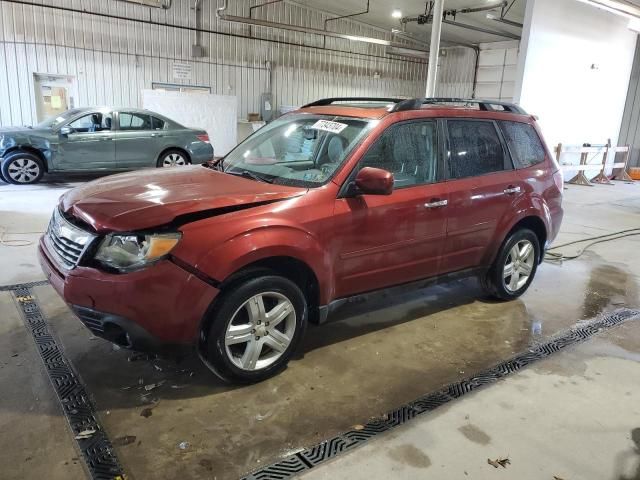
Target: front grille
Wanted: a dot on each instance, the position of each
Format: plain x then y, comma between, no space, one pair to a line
66,241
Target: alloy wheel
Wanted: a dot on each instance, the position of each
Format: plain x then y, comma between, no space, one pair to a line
173,160
23,170
260,331
518,265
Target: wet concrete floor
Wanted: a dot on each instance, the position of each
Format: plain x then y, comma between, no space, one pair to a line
371,358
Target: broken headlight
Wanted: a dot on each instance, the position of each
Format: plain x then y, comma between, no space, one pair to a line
132,252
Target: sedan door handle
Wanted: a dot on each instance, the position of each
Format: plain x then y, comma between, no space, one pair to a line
511,190
156,135
106,139
437,203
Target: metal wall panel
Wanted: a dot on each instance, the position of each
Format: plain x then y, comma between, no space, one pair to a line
630,128
114,59
456,68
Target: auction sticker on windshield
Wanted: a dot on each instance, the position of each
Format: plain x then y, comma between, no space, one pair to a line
328,126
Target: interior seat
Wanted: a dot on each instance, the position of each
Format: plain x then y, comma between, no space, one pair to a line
95,123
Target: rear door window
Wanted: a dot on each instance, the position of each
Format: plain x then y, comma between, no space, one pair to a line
475,149
524,143
134,121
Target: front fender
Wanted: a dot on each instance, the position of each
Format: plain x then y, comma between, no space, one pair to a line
267,242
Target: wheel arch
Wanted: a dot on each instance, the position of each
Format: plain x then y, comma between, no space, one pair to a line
29,149
527,219
180,149
536,225
291,268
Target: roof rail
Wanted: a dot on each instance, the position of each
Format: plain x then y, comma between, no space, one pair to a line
486,105
329,101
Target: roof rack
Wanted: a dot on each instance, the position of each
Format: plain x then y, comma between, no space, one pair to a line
330,101
486,105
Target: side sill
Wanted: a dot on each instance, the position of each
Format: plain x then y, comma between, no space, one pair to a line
326,310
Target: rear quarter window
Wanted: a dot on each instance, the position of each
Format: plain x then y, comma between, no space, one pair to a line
524,144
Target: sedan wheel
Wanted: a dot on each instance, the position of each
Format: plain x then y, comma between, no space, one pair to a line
22,168
260,331
174,159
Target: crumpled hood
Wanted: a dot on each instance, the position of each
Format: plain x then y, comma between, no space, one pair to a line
13,129
151,198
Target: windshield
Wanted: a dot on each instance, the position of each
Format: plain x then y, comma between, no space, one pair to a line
56,120
298,150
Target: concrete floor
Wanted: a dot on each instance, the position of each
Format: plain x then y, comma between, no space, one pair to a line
571,416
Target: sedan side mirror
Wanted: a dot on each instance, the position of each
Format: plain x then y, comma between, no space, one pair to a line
65,131
374,181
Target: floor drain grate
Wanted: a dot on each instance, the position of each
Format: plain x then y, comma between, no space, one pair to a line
97,450
311,457
11,288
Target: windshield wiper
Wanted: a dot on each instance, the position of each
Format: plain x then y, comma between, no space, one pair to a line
251,175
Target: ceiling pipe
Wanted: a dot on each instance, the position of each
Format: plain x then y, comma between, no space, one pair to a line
220,12
164,4
505,21
483,30
364,12
261,5
481,8
197,4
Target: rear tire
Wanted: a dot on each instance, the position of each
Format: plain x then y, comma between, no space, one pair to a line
173,157
515,266
256,327
22,168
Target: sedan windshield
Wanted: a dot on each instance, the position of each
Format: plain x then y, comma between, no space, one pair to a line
53,122
299,150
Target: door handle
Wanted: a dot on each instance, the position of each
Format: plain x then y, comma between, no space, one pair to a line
437,203
156,135
107,139
511,190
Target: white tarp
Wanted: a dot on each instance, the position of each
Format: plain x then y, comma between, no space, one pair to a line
217,114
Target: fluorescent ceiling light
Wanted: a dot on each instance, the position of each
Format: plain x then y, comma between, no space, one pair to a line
617,8
634,24
397,13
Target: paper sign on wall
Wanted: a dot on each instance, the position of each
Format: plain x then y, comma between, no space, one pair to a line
182,71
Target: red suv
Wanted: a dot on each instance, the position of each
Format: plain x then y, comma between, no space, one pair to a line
342,198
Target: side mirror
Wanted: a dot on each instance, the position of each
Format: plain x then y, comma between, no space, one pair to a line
65,131
374,181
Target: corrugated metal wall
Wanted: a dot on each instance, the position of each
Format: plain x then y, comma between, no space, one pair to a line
112,60
455,72
630,129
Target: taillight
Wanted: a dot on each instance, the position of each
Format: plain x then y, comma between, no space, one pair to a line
203,138
558,178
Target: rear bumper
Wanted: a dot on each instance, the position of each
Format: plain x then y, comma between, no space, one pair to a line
145,310
201,153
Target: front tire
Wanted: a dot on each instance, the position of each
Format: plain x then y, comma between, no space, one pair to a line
173,158
256,328
22,168
514,267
